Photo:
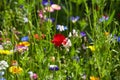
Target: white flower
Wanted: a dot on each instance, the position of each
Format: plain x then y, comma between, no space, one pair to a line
1,47
25,19
67,43
70,34
2,73
3,65
75,33
61,27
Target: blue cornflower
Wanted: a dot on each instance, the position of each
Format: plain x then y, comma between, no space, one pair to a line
53,68
25,38
118,39
61,27
83,34
74,19
47,2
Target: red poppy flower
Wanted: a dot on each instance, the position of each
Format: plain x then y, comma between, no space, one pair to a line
58,39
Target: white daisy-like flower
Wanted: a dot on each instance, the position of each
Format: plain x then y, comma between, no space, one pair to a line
3,65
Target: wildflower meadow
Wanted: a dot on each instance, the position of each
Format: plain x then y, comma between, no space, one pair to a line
59,39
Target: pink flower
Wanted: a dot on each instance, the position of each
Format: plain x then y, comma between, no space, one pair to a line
33,76
56,7
41,14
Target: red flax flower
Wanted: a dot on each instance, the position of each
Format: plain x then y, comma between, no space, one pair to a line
58,39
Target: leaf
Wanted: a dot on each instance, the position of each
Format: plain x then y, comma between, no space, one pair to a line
77,1
111,17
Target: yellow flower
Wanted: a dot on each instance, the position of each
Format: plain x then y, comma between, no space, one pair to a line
107,33
5,52
94,78
24,43
92,48
15,69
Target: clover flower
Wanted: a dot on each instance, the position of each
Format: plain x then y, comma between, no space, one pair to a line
15,69
53,68
3,65
33,76
61,27
74,19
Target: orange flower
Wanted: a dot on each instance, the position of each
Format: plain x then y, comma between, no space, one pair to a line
36,36
24,43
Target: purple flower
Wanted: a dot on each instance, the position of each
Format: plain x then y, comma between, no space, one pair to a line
47,2
21,6
83,34
74,19
53,68
118,39
25,38
50,19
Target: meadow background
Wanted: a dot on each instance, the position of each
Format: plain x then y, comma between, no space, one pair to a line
59,40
